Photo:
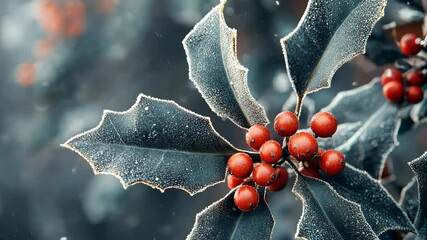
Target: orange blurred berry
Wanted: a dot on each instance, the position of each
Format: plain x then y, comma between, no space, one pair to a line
25,74
106,6
43,47
51,17
75,28
75,9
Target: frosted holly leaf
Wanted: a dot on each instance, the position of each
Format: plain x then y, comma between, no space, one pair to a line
330,33
419,111
380,49
344,132
380,210
223,220
327,215
217,73
369,147
398,13
409,199
158,143
357,104
419,167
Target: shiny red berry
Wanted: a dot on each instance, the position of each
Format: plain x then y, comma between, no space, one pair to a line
240,165
257,135
410,44
314,161
324,124
281,181
302,146
390,75
311,172
415,78
270,151
233,182
264,174
246,198
286,124
414,94
332,162
394,91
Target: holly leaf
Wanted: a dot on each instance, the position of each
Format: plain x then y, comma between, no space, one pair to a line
419,111
320,44
217,73
344,132
419,167
368,148
380,210
398,13
382,50
409,199
327,215
158,143
357,104
222,220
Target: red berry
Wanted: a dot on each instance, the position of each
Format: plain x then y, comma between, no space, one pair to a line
302,146
270,151
240,165
393,91
410,44
414,94
390,75
314,162
256,136
332,162
415,78
246,198
286,124
233,182
281,181
324,124
264,174
311,172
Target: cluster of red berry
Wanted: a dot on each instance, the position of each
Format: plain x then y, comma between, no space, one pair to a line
269,173
393,80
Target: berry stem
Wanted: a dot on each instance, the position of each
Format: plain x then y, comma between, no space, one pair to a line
289,161
416,68
255,156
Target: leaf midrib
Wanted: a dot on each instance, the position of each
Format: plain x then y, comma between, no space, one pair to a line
327,47
233,39
323,210
235,226
148,148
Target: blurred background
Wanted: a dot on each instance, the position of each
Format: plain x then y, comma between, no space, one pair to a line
63,61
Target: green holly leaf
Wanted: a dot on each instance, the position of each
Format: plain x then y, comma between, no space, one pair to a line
327,215
344,132
368,148
409,199
222,220
217,73
380,210
158,143
357,105
419,111
419,167
330,33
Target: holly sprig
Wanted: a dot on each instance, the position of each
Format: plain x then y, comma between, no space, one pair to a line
161,144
